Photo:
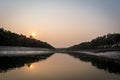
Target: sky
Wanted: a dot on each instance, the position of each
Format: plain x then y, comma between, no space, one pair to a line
62,23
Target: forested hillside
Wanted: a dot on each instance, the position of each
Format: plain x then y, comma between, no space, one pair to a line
8,38
102,42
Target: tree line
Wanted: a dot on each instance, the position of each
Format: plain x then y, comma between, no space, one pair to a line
8,38
106,41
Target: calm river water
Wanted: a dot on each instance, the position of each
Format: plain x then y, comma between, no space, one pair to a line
58,66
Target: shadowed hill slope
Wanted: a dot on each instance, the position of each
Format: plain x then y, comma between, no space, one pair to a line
8,38
108,41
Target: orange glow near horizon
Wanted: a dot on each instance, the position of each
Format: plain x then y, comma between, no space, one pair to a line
33,34
61,23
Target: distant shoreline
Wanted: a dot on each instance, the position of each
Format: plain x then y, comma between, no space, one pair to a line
98,50
64,50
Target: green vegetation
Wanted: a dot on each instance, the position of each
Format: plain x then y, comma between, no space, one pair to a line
102,42
8,38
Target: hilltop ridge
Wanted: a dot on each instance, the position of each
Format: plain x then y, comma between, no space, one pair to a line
8,38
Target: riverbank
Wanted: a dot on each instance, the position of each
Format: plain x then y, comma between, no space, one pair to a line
98,50
23,51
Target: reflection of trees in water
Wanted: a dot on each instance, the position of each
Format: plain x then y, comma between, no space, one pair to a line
107,64
9,63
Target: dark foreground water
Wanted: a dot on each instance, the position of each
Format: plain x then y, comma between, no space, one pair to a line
58,66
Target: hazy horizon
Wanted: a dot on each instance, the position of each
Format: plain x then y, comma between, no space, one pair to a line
62,23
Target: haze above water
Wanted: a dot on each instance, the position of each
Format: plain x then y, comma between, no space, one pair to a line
58,66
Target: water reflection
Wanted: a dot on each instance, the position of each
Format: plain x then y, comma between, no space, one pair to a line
29,65
9,63
107,64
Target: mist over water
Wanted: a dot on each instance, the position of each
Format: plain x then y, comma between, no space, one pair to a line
57,66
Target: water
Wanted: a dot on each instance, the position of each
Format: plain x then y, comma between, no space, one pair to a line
59,66
22,51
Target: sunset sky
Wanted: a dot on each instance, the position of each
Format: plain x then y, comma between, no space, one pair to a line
62,23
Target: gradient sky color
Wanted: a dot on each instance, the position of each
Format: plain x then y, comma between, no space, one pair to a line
61,23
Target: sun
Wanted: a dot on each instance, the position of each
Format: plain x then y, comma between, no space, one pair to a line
33,34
